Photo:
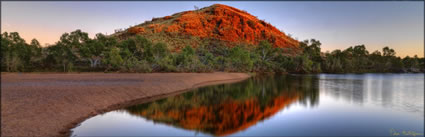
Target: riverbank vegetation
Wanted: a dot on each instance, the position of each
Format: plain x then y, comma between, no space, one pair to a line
76,52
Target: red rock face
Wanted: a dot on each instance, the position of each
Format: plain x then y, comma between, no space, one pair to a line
219,22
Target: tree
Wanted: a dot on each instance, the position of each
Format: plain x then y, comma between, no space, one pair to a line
35,45
415,62
139,47
388,52
412,64
266,51
206,57
92,51
67,49
160,50
17,54
334,62
360,51
135,65
162,59
378,63
300,64
264,54
284,64
113,59
96,49
397,64
187,60
313,51
4,51
360,58
240,59
391,62
36,55
60,54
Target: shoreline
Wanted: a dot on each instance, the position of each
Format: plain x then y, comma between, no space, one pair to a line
53,104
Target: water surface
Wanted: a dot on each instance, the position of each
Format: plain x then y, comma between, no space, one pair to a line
279,105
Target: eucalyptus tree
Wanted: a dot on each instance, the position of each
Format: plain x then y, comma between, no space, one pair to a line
17,54
391,62
360,58
95,50
240,59
266,51
185,60
388,52
36,55
4,51
265,54
311,49
67,50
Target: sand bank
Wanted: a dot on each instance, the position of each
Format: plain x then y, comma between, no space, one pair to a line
51,104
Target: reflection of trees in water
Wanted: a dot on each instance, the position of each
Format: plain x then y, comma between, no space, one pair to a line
401,92
226,109
348,88
387,93
305,84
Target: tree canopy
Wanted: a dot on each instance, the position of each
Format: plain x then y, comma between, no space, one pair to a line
75,51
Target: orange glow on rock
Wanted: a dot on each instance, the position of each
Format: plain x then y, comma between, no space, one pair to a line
224,118
219,22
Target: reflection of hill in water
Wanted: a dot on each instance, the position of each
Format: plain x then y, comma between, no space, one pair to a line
227,109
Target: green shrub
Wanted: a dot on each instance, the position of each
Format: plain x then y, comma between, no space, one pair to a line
113,59
165,64
135,65
240,60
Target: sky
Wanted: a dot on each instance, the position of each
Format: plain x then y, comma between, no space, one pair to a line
338,25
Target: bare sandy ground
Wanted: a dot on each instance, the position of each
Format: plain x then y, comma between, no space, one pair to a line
51,104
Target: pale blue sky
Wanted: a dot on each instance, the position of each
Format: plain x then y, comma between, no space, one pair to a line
338,25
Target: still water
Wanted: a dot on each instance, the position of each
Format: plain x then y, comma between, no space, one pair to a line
285,105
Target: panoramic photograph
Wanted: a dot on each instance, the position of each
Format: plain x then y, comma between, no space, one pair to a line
212,68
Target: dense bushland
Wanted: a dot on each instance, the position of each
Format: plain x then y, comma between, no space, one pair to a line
75,51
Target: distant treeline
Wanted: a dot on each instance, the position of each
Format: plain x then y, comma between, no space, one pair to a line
76,52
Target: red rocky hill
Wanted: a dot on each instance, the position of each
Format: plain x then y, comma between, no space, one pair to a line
217,22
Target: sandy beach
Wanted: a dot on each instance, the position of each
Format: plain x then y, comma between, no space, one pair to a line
50,104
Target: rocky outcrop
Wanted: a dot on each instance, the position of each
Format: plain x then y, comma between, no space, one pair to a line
218,22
